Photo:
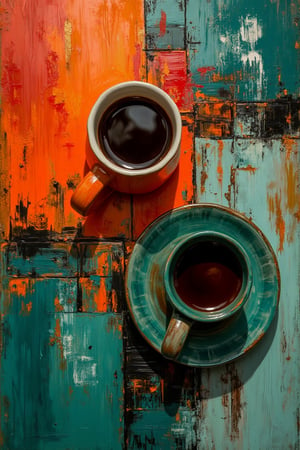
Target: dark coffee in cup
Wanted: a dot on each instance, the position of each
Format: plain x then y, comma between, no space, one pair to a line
135,132
208,276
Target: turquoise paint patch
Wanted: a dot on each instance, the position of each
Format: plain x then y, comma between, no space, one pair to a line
174,12
41,259
60,386
165,25
151,429
213,174
246,50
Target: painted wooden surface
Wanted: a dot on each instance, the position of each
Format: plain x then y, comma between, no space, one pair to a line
74,371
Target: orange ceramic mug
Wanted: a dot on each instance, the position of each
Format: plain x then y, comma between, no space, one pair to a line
134,131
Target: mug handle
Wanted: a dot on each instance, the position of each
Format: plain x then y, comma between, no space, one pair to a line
93,185
175,337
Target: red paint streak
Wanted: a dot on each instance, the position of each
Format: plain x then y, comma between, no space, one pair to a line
220,168
203,70
248,169
52,69
231,186
137,61
11,81
162,24
204,177
63,114
236,404
169,71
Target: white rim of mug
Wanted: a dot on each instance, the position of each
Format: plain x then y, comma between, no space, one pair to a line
210,316
94,120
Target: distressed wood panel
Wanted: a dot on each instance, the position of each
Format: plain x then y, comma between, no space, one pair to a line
238,48
56,60
248,175
74,371
59,387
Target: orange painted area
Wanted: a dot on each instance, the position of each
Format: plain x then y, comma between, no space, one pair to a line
110,219
102,262
20,286
275,208
26,308
214,117
233,77
57,339
214,109
56,60
94,298
100,297
58,307
292,193
114,301
284,201
290,145
248,168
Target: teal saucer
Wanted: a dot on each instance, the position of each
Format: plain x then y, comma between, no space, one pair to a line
207,344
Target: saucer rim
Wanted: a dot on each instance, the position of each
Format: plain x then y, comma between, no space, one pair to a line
248,223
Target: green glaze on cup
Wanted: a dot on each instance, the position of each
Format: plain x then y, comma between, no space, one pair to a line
183,315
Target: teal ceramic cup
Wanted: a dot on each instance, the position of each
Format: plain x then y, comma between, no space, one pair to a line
207,278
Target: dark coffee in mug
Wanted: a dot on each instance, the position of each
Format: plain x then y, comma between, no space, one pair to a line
135,132
208,276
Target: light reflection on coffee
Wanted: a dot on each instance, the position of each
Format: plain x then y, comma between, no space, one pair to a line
135,132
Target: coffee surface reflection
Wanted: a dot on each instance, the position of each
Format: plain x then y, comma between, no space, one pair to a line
135,133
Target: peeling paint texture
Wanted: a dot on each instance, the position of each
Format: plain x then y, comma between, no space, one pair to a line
74,371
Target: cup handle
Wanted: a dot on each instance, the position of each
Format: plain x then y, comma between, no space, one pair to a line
175,337
94,184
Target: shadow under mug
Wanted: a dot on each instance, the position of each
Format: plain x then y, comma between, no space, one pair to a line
134,132
207,278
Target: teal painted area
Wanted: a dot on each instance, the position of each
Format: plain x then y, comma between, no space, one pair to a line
165,24
213,174
60,387
157,429
152,430
41,259
249,45
87,399
174,12
267,375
